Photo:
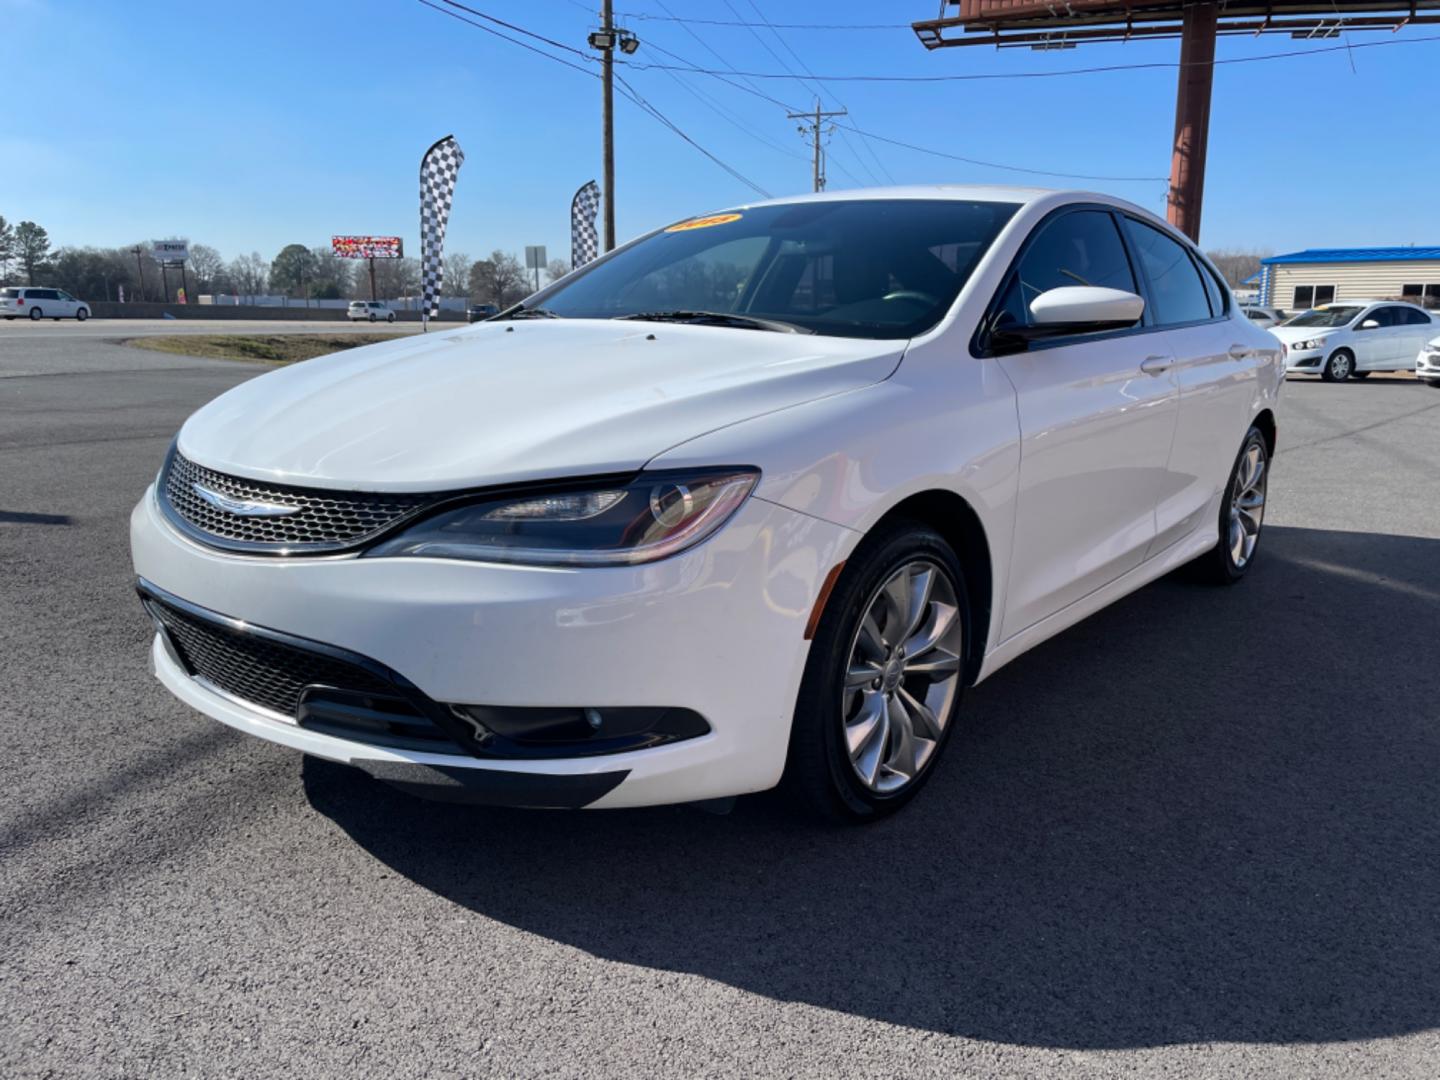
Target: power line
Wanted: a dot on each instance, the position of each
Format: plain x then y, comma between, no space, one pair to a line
806,67
749,88
997,75
781,60
627,89
658,115
998,165
643,16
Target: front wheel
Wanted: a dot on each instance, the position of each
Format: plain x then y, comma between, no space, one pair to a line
36,314
390,317
1242,513
1339,367
372,316
1433,382
884,678
81,315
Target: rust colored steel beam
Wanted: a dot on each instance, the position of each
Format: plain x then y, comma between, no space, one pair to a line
1192,119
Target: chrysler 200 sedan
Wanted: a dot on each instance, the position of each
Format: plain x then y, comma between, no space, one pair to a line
747,502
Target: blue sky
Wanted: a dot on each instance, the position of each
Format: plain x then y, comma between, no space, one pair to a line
250,126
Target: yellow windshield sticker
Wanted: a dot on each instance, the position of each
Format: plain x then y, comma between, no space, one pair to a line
705,222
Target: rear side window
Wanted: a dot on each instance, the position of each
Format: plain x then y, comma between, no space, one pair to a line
1079,248
1177,292
1417,318
9,294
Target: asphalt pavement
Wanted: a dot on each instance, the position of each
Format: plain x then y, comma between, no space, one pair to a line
1197,835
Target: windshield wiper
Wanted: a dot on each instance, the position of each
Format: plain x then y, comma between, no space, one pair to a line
520,311
718,318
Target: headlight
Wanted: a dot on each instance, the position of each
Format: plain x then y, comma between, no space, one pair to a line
1313,343
654,516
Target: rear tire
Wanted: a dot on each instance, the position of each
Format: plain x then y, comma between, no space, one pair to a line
36,314
1339,367
879,680
372,316
1242,515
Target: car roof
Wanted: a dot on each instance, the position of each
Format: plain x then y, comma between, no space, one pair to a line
1044,198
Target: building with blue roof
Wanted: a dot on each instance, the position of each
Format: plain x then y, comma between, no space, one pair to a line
1305,279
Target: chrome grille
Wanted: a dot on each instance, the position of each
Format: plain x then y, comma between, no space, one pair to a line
325,520
256,669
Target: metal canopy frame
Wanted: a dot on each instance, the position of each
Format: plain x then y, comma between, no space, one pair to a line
1065,24
1015,23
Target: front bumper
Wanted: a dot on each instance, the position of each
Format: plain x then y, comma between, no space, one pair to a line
1309,361
718,630
1427,365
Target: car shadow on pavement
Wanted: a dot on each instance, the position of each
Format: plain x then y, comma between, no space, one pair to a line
1203,814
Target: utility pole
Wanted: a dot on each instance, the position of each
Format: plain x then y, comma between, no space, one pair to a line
606,40
140,266
814,128
607,112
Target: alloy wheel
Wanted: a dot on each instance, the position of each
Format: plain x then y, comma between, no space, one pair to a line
1340,367
902,676
1247,502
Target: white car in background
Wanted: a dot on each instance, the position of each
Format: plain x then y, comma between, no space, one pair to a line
369,310
1352,338
19,302
1427,363
1263,317
748,501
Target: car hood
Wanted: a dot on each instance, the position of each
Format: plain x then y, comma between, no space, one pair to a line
503,402
1291,334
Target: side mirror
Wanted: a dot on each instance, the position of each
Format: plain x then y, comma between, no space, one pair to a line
1369,324
1073,309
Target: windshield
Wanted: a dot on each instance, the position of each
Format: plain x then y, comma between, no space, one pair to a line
868,268
1326,316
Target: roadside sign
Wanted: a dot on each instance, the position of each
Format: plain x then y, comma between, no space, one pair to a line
171,251
535,257
367,247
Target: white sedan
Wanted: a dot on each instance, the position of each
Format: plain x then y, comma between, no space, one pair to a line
1427,363
1352,338
748,501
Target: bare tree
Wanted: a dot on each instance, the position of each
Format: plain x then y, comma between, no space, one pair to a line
205,264
557,269
1236,265
250,274
456,275
500,280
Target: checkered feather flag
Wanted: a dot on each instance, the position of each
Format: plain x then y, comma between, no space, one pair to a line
584,244
438,170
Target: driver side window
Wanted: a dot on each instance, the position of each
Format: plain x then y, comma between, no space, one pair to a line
1079,248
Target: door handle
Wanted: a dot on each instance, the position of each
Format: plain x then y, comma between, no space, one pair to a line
1156,365
1241,352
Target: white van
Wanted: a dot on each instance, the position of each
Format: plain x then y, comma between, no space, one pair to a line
36,304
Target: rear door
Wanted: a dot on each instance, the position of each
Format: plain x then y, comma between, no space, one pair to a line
1215,370
1095,426
1420,329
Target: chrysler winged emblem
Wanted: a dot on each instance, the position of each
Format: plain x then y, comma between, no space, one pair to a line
243,507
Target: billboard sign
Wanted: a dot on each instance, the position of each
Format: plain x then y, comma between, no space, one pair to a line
171,251
367,247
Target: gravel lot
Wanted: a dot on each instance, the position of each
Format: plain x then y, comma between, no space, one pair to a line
1198,835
